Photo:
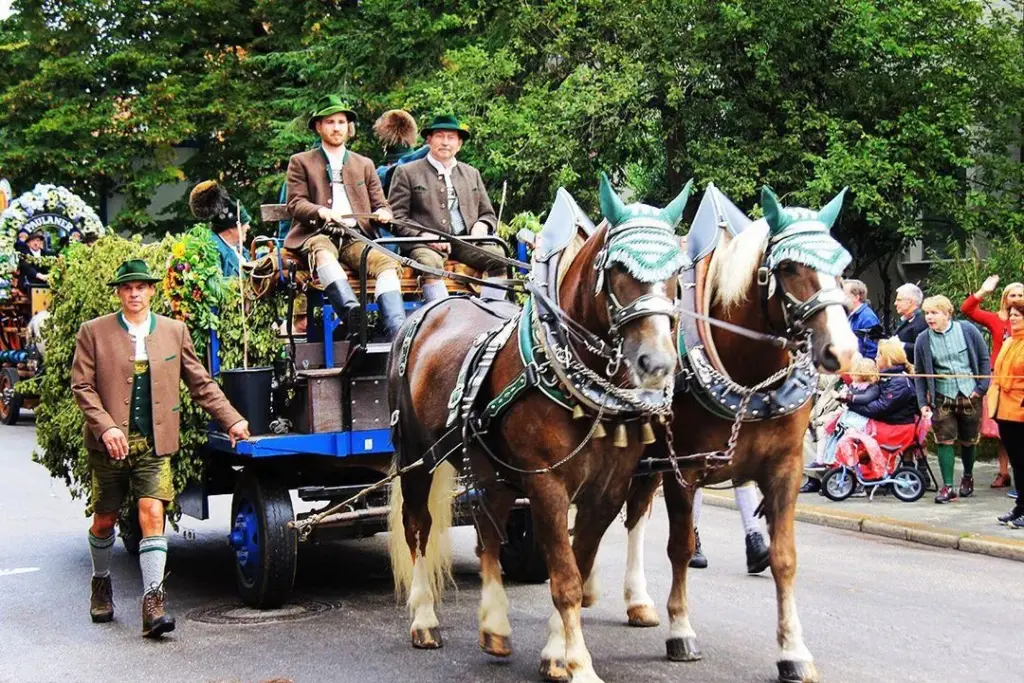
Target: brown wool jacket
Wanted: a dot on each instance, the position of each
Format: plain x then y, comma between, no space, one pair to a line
309,190
103,370
418,193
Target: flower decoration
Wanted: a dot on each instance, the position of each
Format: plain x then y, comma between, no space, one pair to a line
42,199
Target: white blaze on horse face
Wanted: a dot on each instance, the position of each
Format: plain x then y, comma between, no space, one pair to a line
657,344
634,589
842,340
421,598
494,609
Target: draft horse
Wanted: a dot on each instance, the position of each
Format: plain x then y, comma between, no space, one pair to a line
779,276
590,348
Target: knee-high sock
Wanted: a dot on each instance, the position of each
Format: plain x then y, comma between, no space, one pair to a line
330,272
698,503
152,560
746,501
101,549
387,282
967,456
945,453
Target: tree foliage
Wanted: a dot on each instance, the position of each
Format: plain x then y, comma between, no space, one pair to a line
912,103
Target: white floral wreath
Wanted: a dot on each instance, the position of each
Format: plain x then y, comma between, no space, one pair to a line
41,199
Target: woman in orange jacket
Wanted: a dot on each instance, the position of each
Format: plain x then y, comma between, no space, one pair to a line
999,329
1007,393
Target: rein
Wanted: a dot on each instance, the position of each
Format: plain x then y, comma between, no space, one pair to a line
499,283
504,260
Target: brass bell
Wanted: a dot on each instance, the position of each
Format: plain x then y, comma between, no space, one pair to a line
621,438
599,432
577,412
646,433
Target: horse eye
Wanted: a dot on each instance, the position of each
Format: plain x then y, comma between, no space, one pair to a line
789,268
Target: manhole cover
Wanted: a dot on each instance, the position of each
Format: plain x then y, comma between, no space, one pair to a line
241,614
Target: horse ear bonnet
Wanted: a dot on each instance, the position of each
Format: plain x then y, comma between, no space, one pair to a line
830,212
209,200
773,211
612,207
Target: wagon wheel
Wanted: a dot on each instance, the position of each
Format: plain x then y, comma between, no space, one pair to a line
130,528
265,547
10,402
522,558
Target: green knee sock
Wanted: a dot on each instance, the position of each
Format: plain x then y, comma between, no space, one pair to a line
967,455
945,453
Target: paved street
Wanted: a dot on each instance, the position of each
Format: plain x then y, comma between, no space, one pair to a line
873,609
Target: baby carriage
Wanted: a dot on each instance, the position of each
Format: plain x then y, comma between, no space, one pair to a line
880,456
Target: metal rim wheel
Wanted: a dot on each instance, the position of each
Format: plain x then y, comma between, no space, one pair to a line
265,547
839,483
10,401
522,558
908,484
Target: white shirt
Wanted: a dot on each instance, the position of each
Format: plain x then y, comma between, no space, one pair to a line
339,198
138,334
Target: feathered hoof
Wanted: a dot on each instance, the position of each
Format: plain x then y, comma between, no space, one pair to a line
643,616
427,638
798,672
495,645
555,670
683,649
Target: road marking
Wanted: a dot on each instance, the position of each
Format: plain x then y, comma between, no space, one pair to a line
19,570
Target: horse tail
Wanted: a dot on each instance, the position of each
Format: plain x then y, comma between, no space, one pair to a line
437,562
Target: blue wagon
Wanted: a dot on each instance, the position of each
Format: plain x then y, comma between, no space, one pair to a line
332,390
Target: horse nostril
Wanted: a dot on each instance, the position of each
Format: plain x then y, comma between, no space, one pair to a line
643,361
652,364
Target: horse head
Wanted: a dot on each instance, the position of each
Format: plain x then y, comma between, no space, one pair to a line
801,266
635,273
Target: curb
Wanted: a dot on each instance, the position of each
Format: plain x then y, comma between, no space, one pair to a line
993,546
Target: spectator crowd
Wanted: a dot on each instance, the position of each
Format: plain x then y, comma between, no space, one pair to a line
936,375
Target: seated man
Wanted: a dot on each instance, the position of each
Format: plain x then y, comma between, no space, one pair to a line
445,197
228,220
34,274
326,185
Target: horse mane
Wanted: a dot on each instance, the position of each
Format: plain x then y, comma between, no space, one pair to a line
734,265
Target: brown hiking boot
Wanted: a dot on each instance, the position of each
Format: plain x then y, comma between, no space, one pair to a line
101,600
966,486
155,622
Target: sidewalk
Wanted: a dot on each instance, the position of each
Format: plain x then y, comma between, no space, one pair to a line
966,524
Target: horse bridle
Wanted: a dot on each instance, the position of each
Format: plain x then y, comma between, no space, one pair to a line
795,312
643,306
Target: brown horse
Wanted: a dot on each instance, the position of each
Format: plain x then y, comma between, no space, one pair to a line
618,294
798,264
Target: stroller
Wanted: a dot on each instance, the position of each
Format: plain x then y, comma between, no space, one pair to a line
898,464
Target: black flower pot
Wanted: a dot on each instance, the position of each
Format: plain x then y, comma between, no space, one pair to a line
249,393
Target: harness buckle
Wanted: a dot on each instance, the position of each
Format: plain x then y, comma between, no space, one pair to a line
764,275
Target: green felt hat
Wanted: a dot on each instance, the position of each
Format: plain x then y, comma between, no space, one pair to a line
447,122
134,270
327,105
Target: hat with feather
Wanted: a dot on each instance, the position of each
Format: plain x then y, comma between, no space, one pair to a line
396,129
210,202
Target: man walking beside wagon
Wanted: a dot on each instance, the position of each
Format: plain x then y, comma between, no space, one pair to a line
125,377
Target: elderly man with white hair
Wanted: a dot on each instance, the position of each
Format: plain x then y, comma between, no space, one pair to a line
912,323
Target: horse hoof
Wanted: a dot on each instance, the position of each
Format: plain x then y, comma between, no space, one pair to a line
495,645
797,672
554,670
643,616
427,638
685,650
